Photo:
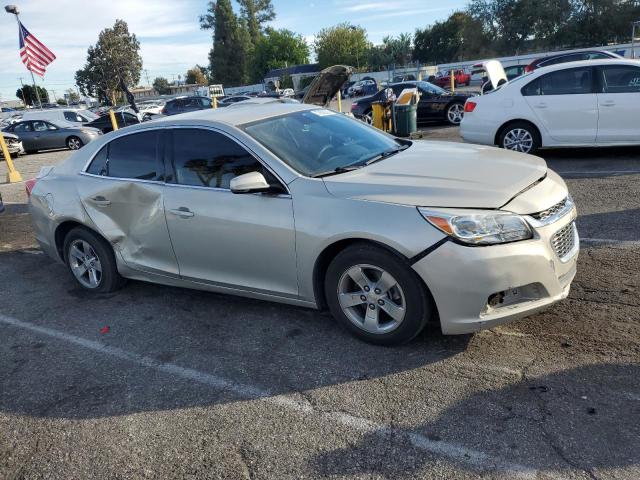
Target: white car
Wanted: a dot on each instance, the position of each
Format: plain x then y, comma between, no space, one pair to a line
588,103
72,115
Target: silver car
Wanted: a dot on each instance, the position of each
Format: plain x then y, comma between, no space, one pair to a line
44,134
301,205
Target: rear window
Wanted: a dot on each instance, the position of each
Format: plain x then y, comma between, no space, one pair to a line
133,156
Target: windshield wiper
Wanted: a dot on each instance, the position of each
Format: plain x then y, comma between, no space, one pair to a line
337,170
386,154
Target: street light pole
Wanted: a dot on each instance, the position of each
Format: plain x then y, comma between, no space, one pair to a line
13,9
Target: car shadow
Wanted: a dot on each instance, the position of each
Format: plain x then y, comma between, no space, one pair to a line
582,419
275,348
618,226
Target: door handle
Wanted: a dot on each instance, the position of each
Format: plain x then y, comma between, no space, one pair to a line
183,212
541,105
608,104
100,201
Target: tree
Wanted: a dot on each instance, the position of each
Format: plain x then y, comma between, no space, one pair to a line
396,51
195,75
114,57
72,95
256,13
229,57
161,85
278,49
28,95
342,44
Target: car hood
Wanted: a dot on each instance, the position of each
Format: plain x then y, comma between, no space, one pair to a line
10,135
325,86
442,174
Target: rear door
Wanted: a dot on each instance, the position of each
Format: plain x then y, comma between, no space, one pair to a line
25,132
122,192
619,104
244,241
565,103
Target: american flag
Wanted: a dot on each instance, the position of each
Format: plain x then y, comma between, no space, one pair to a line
34,54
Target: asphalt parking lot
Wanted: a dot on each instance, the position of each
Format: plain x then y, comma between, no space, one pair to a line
160,382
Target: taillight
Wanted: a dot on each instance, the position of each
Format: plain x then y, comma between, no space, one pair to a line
29,184
528,69
354,105
164,110
469,106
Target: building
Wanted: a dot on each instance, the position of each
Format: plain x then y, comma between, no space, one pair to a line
140,93
188,89
296,72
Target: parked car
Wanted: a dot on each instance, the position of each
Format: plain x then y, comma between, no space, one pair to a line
43,135
588,103
363,87
461,78
472,237
61,114
436,104
123,119
514,71
287,92
344,90
570,57
186,104
14,145
233,99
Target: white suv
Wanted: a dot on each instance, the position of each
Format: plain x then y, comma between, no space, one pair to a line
587,103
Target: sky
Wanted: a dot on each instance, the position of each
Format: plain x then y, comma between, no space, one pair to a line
171,41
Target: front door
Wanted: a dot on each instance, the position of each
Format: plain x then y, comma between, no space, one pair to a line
122,193
244,241
619,104
565,103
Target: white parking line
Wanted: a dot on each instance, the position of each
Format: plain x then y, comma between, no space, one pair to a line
453,451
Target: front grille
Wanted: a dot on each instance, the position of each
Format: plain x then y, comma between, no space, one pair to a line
545,214
564,241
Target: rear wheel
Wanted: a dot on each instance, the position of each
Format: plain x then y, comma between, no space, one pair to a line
376,295
455,112
520,137
74,143
368,117
91,261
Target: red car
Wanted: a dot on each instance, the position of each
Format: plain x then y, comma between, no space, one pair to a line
461,78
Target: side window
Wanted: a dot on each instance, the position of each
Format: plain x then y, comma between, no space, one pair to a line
597,56
74,117
206,103
208,159
40,126
573,81
620,79
134,156
99,163
23,127
51,126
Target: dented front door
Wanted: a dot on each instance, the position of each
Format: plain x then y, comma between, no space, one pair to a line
130,215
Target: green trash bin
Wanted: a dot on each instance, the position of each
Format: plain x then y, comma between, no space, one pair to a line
405,119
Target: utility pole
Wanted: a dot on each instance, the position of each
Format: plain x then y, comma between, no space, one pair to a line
146,74
14,11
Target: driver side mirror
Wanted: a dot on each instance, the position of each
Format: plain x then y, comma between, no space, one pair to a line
252,182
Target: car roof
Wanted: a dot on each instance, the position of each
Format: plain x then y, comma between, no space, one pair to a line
240,113
588,63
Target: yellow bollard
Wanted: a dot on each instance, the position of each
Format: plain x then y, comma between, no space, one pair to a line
114,123
453,81
13,176
339,101
214,104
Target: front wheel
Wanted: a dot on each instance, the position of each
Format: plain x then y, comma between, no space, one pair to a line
74,143
520,137
455,112
368,117
376,295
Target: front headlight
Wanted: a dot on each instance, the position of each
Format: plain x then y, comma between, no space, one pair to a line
486,228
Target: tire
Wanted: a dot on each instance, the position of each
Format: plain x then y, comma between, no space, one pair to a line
74,143
92,246
520,137
454,113
407,298
30,152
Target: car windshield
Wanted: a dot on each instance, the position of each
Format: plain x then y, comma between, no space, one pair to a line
322,142
430,88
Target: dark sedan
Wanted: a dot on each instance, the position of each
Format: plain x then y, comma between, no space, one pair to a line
123,119
436,104
186,104
570,57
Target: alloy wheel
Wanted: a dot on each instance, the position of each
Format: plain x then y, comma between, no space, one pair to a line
85,264
519,140
371,299
74,143
455,113
368,118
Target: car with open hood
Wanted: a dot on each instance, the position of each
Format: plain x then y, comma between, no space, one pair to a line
298,204
14,145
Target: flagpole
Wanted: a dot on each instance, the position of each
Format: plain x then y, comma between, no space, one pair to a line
33,80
